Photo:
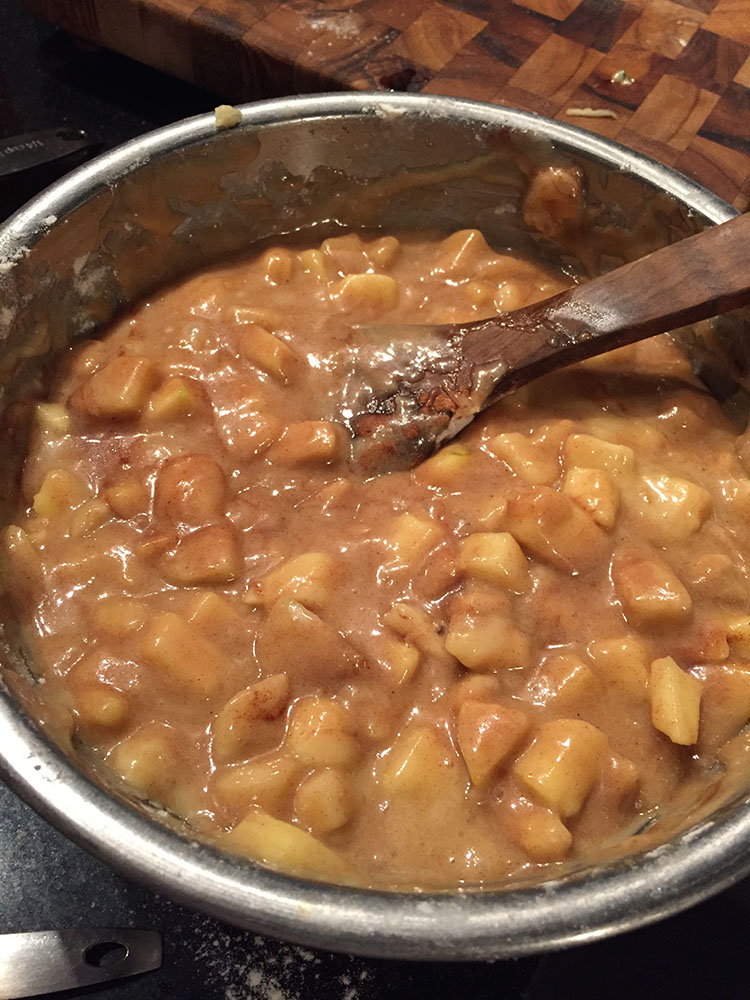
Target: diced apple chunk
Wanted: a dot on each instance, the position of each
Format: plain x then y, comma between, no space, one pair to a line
101,708
53,418
324,801
284,847
147,760
60,491
269,319
267,352
650,592
378,292
245,723
371,712
555,529
118,617
91,515
476,687
623,663
383,251
314,262
619,785
497,557
486,514
531,460
213,614
709,643
279,265
208,555
672,509
675,701
415,625
183,654
333,494
417,763
401,661
175,398
595,492
539,831
411,537
118,390
309,442
127,499
479,293
487,735
22,564
445,468
246,425
585,451
226,116
87,357
190,489
461,249
736,494
321,734
294,639
562,764
347,254
486,642
153,544
565,679
725,705
479,597
265,780
309,578
717,577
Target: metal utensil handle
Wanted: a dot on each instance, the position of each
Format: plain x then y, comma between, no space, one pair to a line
21,152
48,961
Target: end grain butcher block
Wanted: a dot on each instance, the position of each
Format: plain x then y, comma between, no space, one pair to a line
670,79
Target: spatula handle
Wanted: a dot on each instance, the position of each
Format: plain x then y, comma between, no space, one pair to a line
691,280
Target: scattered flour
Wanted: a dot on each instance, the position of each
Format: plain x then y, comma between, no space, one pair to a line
250,967
7,315
345,24
10,260
92,283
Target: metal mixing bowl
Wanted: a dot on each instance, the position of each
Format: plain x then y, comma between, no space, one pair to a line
179,197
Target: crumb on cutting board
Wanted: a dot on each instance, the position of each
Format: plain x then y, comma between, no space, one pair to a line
590,113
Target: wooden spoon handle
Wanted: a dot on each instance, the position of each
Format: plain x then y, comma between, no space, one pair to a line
691,280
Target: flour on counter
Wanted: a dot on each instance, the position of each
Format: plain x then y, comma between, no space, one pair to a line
245,967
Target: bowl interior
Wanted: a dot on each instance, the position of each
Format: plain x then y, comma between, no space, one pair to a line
182,197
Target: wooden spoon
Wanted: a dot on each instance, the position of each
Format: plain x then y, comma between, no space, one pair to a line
445,375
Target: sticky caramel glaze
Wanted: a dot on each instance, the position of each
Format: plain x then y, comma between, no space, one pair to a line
454,683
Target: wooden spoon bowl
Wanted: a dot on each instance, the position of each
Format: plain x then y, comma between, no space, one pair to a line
449,373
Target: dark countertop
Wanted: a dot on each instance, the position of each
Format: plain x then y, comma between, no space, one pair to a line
46,80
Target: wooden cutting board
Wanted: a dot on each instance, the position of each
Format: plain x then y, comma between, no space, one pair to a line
673,78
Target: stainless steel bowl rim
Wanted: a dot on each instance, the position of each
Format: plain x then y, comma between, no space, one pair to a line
583,907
